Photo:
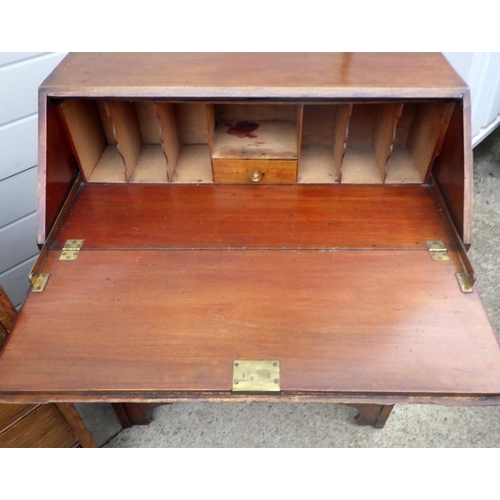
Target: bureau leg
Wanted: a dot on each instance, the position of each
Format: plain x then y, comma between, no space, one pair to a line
371,414
71,415
131,414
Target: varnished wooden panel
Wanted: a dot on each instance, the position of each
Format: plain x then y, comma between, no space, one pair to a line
453,171
374,321
133,316
7,312
210,216
43,428
81,118
248,75
262,140
237,171
9,413
56,172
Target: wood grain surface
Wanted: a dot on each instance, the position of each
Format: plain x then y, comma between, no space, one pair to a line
217,216
10,413
247,75
174,282
57,169
238,171
44,427
453,170
153,321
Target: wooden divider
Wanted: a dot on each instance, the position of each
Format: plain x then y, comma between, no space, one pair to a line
81,118
359,164
126,131
350,143
340,135
324,135
193,164
384,134
427,134
394,143
169,133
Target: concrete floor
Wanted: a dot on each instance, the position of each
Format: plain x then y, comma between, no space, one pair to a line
315,425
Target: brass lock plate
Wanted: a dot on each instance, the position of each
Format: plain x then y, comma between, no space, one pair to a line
256,375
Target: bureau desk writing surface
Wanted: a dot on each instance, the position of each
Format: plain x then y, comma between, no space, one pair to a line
307,210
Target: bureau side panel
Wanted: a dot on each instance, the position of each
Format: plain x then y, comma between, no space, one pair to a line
57,169
453,169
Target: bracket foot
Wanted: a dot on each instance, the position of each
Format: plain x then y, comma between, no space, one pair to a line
131,414
372,414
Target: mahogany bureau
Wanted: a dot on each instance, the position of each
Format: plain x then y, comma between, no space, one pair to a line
254,227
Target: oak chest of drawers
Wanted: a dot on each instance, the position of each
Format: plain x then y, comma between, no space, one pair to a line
278,227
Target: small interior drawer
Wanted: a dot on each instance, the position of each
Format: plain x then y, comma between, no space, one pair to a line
232,171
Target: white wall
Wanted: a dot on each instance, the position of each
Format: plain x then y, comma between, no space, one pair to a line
20,75
481,71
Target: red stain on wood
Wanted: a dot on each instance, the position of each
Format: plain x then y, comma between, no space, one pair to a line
242,129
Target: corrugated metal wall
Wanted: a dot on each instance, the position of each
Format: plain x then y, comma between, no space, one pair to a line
20,76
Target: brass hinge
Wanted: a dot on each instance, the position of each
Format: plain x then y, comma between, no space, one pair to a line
71,249
39,281
256,376
437,250
465,282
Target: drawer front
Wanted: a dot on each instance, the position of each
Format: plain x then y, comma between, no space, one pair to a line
44,427
9,413
254,171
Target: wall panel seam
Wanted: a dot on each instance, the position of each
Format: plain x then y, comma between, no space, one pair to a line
17,173
18,265
5,227
17,121
29,60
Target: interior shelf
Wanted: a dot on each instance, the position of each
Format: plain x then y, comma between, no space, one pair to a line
265,139
151,141
193,165
419,135
401,168
323,142
369,143
255,131
317,165
109,167
119,141
360,166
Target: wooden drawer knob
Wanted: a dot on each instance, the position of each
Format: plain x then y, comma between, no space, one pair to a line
256,177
